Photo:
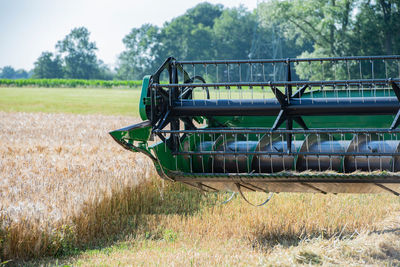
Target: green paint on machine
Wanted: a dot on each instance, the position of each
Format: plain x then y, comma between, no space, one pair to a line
287,144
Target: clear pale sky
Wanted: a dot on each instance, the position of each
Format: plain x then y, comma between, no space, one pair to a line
29,27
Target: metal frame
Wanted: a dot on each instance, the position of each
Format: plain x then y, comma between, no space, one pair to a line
287,106
171,105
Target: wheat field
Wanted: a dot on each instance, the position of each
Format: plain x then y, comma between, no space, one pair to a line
71,195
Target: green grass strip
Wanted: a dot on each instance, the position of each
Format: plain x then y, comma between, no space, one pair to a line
70,100
73,83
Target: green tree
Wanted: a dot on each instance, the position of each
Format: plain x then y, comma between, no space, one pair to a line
189,36
233,32
337,28
140,54
380,20
48,66
104,72
21,74
205,14
79,55
8,72
324,23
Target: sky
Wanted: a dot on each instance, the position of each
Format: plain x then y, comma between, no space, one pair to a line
29,27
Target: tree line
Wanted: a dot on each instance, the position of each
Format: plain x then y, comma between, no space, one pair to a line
275,29
8,72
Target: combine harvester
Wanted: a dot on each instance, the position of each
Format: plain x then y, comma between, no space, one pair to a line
254,125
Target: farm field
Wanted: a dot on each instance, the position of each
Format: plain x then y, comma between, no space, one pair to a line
88,100
70,100
71,196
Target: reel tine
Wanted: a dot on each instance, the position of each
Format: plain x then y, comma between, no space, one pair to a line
259,150
270,156
229,199
251,72
319,150
212,157
224,147
307,150
330,138
202,156
248,156
240,72
369,139
191,156
227,70
216,67
236,157
271,194
263,72
283,150
398,68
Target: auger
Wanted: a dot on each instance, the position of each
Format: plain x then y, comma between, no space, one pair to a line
322,125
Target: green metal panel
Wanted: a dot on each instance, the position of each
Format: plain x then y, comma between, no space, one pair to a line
137,132
143,97
167,160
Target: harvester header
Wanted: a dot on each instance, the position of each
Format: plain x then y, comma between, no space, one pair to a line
322,125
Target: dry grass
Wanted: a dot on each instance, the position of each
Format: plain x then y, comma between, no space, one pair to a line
65,186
